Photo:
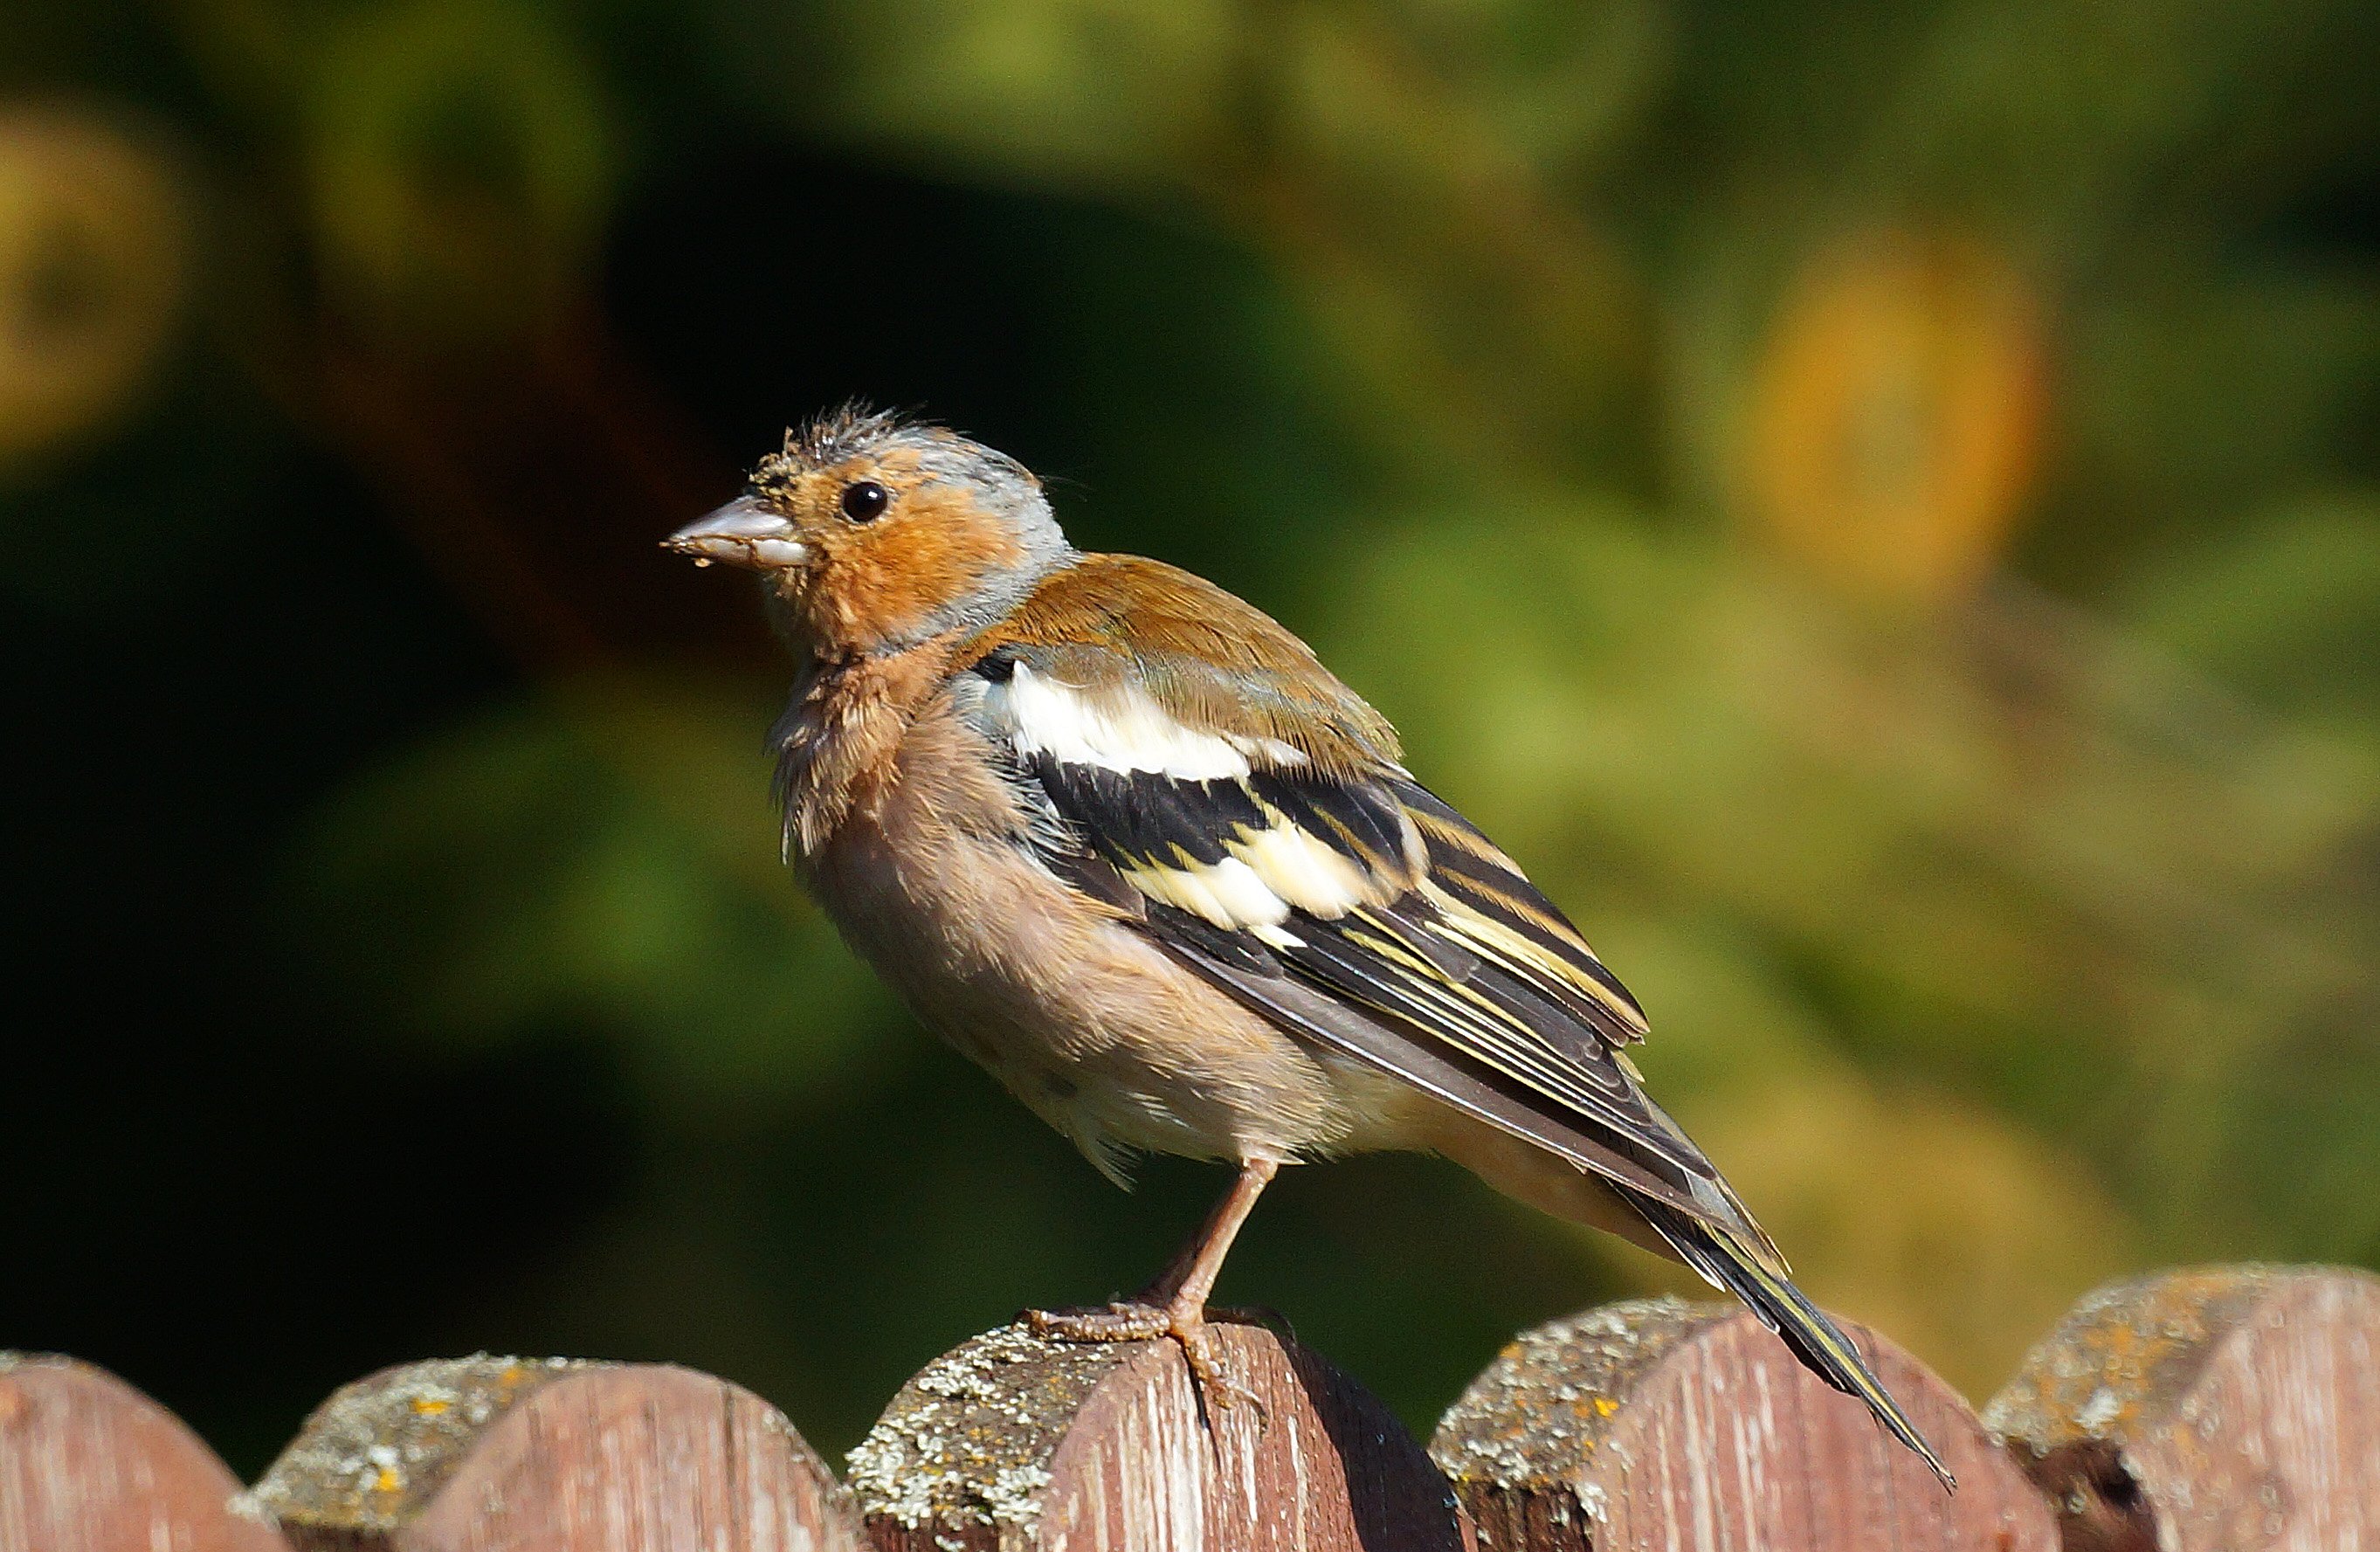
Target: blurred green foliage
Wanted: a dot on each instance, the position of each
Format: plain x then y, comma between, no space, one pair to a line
1878,505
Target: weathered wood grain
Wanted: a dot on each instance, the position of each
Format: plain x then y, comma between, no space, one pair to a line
511,1455
1662,1424
90,1464
1015,1441
2228,1407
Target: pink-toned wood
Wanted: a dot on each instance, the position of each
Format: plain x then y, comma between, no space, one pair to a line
2231,1408
90,1464
1666,1424
1019,1442
513,1455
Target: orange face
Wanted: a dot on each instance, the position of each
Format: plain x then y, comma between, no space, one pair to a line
883,545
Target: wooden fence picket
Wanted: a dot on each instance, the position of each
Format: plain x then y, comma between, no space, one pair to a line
1015,1442
90,1464
1659,1422
2229,1409
475,1454
2220,1409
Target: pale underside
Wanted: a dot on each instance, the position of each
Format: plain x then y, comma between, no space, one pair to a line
1356,912
1184,934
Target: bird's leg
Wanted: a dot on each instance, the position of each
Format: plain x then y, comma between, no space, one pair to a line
1175,1304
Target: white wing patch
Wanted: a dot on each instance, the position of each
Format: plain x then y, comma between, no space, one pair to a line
1122,730
1268,872
1229,894
1267,868
1299,867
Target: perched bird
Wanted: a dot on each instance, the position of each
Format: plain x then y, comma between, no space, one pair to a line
1122,839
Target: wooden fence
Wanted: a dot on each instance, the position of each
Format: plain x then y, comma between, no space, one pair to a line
2229,1408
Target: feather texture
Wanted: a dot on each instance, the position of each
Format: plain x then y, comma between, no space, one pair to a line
1276,847
1336,895
1126,842
1112,627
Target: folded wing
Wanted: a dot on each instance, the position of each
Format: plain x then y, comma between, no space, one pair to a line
1350,904
1225,795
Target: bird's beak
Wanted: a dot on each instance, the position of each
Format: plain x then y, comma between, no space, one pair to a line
743,533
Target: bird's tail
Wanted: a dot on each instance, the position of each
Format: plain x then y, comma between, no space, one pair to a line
1738,1264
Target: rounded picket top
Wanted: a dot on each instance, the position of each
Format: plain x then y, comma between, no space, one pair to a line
1018,1441
1657,1423
2219,1407
552,1456
90,1464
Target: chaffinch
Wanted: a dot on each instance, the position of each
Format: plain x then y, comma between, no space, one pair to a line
1122,839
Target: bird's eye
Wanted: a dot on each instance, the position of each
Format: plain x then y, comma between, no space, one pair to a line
866,500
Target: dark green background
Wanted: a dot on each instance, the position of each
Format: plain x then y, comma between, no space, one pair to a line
400,962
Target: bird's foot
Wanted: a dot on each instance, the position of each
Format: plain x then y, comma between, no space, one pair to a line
1145,1319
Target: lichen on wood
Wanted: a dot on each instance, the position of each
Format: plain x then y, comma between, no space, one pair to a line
968,1439
1023,1443
1660,1423
380,1449
2207,1410
1552,1393
2121,1354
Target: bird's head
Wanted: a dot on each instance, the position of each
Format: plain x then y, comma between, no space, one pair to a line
874,533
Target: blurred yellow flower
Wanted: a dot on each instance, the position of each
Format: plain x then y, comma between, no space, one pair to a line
94,244
1895,415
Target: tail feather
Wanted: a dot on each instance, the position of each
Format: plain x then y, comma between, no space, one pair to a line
1736,1264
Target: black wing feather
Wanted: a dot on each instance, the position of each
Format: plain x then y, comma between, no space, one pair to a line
1415,982
1451,973
1470,868
1313,1011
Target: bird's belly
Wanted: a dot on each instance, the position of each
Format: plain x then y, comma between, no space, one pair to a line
1094,1029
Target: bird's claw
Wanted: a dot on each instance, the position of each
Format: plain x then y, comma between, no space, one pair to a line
1121,1321
1138,1320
